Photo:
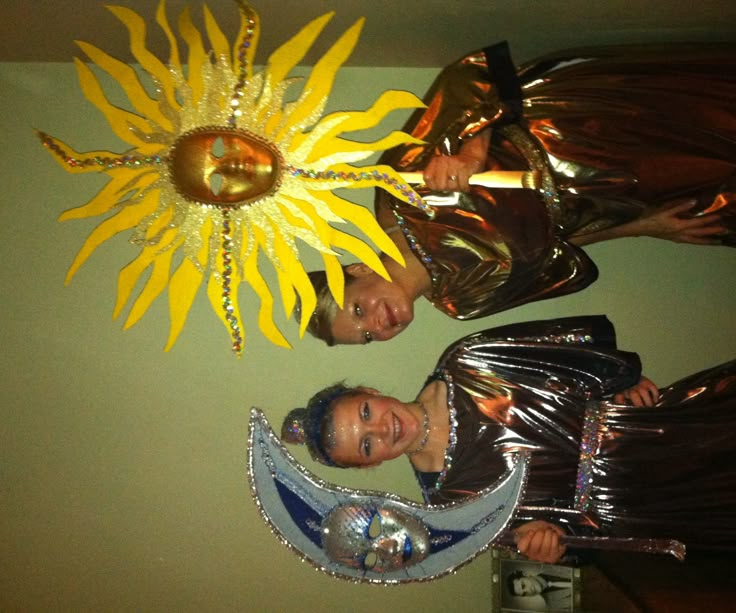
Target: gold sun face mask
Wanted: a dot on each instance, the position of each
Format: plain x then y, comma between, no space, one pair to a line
225,165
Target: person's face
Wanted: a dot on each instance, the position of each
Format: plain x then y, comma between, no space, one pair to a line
374,309
223,167
377,539
370,428
528,585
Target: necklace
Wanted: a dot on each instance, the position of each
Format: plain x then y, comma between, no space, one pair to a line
425,438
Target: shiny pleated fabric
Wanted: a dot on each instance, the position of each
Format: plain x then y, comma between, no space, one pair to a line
616,130
629,128
667,471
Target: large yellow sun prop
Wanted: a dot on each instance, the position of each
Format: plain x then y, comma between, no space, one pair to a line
222,167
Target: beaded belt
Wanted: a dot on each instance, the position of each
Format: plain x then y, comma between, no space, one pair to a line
589,445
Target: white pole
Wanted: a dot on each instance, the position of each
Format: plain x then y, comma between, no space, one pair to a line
494,178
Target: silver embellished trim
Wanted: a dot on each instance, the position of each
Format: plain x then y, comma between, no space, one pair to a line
422,255
537,160
589,445
452,440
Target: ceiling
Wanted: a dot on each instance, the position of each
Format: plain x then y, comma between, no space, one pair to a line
396,33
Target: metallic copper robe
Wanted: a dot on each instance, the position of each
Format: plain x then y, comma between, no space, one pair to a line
617,130
667,471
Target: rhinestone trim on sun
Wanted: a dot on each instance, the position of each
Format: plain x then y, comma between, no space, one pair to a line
201,216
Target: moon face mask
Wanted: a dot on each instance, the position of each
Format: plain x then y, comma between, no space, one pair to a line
225,167
368,536
379,539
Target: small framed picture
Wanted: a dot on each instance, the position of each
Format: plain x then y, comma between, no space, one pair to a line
522,585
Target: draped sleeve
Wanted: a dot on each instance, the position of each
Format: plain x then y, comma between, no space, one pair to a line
488,249
574,355
461,102
526,387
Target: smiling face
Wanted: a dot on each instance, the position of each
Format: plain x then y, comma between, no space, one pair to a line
369,428
374,309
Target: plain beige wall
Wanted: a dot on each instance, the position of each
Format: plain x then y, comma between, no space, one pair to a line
122,468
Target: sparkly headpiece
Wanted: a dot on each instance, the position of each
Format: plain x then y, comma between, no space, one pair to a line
222,167
303,426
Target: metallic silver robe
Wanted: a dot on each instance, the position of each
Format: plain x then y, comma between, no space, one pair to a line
667,471
617,130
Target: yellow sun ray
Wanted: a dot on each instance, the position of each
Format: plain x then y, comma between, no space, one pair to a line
129,276
357,120
125,75
387,102
265,310
148,61
174,61
126,219
184,286
362,218
300,281
320,229
288,295
322,77
283,61
277,163
75,162
353,151
157,281
128,279
220,44
358,248
335,279
287,283
132,181
196,57
119,120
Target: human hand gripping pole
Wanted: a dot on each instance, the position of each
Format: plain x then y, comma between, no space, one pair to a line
636,545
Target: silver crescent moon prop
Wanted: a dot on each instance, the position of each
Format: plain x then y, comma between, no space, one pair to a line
295,503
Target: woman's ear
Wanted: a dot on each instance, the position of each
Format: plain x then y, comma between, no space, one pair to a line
369,390
359,269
